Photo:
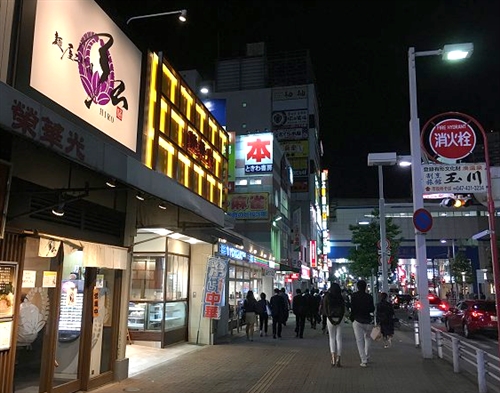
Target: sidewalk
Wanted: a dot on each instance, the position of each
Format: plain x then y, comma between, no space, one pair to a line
294,365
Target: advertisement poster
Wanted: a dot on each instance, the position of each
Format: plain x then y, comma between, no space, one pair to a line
5,335
215,282
8,274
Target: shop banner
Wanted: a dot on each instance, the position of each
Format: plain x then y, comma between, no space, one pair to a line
215,284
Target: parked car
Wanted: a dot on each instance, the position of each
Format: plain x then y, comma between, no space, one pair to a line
470,317
437,308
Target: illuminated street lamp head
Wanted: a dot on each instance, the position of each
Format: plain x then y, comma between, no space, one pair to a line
458,51
183,16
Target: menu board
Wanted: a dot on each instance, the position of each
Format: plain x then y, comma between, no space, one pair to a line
8,272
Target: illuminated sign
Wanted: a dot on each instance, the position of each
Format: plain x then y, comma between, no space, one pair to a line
82,61
258,150
231,252
248,206
313,262
181,138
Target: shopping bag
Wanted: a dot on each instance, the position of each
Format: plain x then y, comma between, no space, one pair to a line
376,333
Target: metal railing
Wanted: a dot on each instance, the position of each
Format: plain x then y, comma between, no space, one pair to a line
467,358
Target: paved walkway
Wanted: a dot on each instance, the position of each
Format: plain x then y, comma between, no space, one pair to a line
293,365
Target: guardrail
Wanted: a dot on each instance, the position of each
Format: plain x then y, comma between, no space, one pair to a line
465,357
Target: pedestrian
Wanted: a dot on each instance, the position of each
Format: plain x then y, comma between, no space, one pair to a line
334,306
361,308
316,299
249,308
322,312
385,318
287,303
299,309
278,312
309,303
261,310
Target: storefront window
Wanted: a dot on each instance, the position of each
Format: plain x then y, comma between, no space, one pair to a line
147,277
177,277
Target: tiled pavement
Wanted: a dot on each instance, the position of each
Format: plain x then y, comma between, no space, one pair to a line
293,365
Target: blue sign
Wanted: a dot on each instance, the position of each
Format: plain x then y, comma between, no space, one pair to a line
422,220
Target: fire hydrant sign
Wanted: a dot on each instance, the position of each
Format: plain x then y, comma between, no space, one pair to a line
454,178
453,139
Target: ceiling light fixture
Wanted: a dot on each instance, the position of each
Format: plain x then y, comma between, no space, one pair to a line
162,206
59,210
140,196
111,183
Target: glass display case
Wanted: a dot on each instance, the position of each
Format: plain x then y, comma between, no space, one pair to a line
136,316
149,315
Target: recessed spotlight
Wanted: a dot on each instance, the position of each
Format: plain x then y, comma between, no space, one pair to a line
140,196
162,206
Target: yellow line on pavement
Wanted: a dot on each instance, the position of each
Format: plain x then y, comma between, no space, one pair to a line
268,378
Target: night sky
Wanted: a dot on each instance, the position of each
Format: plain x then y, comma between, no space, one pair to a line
359,52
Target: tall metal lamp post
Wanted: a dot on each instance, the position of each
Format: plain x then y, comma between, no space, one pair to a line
449,52
380,160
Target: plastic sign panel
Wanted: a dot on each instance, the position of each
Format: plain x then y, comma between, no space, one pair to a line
258,153
82,61
452,139
454,178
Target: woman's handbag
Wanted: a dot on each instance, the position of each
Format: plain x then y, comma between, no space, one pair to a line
376,333
268,309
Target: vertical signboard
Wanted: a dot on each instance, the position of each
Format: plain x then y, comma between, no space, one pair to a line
215,283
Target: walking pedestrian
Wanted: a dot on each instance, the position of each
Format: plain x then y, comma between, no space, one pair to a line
334,309
309,304
361,309
385,318
261,309
299,309
249,308
278,312
322,312
287,304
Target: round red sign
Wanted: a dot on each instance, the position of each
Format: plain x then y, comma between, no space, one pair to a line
453,139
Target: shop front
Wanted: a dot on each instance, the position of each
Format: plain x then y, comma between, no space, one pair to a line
65,333
158,306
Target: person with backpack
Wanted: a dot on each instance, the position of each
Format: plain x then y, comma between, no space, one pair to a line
334,306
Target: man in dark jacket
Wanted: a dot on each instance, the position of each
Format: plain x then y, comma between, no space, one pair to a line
299,308
361,309
278,312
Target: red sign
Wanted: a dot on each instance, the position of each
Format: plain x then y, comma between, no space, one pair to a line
453,139
312,251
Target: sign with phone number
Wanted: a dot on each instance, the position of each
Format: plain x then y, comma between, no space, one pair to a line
454,178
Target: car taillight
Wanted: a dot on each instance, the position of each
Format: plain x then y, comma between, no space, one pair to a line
418,306
476,314
443,307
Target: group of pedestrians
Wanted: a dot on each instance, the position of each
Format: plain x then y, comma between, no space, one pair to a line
332,309
277,308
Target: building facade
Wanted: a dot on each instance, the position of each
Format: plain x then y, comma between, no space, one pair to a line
113,193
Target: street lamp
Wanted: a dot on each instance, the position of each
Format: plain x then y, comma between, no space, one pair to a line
449,52
380,160
182,15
